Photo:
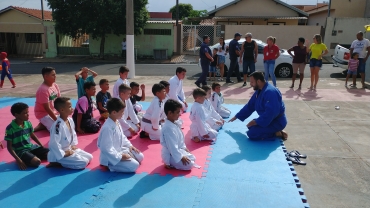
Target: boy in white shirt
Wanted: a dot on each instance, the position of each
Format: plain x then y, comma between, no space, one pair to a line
217,100
200,129
167,88
116,151
63,139
123,73
176,91
130,123
175,154
213,118
154,116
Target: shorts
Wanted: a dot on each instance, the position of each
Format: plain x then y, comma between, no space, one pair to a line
349,72
39,152
249,64
47,121
361,66
315,63
299,66
221,59
212,69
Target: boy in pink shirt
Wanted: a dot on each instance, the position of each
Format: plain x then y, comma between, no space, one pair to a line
45,96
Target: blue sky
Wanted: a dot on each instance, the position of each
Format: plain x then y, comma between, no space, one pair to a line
154,5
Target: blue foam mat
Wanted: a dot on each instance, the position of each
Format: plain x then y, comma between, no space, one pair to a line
48,187
9,101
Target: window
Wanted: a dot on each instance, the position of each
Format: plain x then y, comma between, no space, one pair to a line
157,31
246,23
33,38
226,23
276,23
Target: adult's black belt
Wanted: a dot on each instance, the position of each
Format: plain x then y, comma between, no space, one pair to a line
146,120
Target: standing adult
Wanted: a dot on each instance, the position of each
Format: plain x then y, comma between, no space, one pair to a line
318,50
248,54
270,53
123,45
221,53
234,53
299,61
205,55
360,46
268,103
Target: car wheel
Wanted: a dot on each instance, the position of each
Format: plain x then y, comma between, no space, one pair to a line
284,71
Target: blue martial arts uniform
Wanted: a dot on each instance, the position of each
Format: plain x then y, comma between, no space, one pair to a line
270,107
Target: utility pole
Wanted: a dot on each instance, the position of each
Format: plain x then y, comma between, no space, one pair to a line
130,53
177,12
42,10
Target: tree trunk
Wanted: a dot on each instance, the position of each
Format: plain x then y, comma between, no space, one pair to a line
102,43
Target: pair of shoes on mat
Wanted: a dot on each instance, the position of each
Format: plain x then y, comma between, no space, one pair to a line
294,156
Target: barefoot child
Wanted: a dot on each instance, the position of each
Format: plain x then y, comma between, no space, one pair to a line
213,118
217,100
82,77
135,98
83,113
63,139
5,70
167,88
123,73
45,96
102,97
200,129
116,151
213,65
154,115
18,134
176,91
130,123
352,69
174,151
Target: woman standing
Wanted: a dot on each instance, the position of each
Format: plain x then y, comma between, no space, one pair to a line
222,52
299,61
6,70
318,50
248,56
270,53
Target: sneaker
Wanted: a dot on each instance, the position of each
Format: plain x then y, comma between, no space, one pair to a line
229,81
219,79
245,84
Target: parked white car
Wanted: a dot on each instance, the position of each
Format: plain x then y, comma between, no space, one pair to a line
341,57
283,64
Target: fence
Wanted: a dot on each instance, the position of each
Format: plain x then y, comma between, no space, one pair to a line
192,37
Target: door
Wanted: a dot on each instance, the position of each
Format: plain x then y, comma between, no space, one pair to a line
10,46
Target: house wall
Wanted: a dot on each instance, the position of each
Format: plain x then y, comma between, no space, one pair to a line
17,22
286,36
319,18
24,48
256,21
51,42
145,44
256,8
345,8
349,28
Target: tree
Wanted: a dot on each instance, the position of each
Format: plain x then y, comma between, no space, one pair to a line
96,17
184,11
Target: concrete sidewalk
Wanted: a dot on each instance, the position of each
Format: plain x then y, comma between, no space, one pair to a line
337,173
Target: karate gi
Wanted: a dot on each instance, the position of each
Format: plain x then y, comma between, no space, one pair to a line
173,147
116,86
176,91
61,139
127,124
217,101
270,107
211,115
112,144
199,126
152,117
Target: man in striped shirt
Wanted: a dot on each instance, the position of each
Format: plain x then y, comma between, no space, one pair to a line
18,134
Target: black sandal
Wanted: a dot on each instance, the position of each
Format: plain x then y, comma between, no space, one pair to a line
295,153
295,160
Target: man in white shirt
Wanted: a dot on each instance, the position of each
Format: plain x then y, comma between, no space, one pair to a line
360,46
176,91
123,44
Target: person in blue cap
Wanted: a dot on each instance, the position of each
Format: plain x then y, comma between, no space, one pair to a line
234,53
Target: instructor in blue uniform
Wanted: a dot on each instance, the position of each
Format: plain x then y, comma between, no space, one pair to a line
205,55
268,103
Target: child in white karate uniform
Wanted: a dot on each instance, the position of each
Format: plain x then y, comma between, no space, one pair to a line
167,88
175,154
130,123
154,115
123,73
176,91
63,139
217,100
116,151
200,129
213,118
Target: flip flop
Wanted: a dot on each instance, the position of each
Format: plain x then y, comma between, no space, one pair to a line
295,153
295,160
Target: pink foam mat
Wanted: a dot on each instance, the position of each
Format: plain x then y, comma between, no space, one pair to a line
151,164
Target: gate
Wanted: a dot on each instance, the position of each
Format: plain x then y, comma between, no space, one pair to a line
192,37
